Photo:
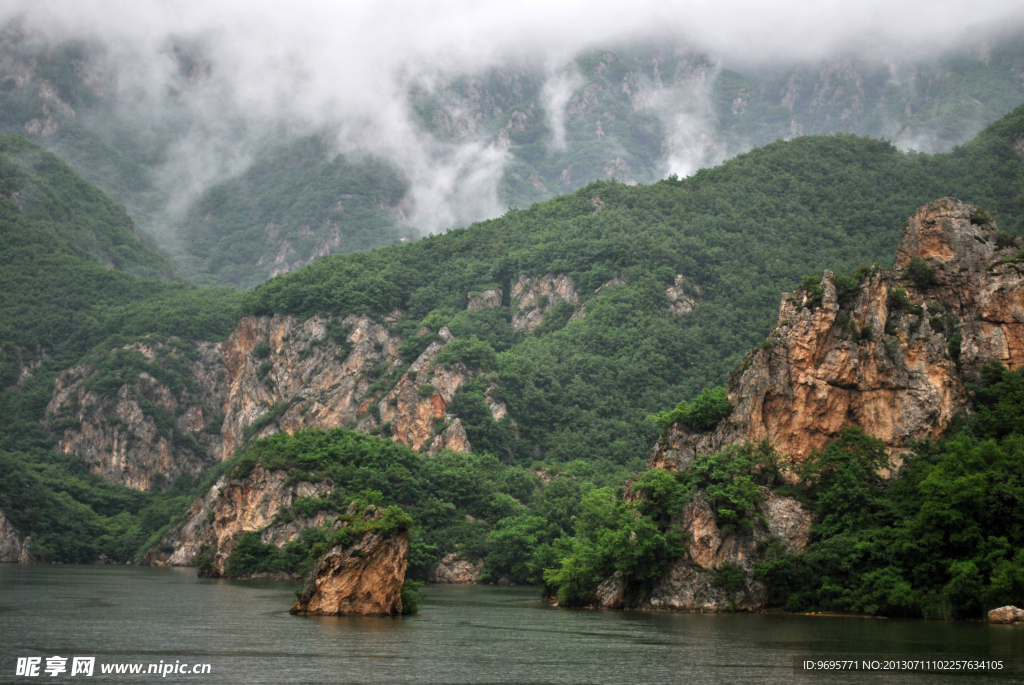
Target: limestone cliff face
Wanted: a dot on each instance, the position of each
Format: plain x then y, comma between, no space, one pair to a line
979,279
288,374
146,430
890,357
14,549
229,510
271,374
690,585
533,297
362,579
421,396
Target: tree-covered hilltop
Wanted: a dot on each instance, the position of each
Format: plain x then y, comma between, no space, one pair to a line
728,239
295,203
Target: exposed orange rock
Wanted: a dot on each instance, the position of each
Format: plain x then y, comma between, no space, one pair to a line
363,579
870,362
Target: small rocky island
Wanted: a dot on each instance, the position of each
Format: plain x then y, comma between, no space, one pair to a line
362,572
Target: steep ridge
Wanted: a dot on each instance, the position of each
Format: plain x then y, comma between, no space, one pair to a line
271,374
891,353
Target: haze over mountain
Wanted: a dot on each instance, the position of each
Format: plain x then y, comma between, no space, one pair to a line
189,114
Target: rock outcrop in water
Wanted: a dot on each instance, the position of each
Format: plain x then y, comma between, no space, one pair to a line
14,549
452,570
892,354
363,578
1009,615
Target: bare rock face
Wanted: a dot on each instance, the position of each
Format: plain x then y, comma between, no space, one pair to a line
486,299
271,374
681,302
363,579
14,549
294,371
421,396
229,510
1006,615
690,583
886,363
453,438
979,279
146,430
611,594
532,297
452,570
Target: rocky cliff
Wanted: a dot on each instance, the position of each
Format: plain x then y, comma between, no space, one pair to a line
137,424
694,582
258,503
14,549
149,413
363,578
889,351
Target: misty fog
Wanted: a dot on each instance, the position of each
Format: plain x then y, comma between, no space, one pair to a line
210,83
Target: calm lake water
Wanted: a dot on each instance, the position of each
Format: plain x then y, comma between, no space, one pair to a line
464,634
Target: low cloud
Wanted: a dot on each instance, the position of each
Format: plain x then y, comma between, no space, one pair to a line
219,79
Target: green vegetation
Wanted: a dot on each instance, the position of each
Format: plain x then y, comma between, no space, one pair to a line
294,194
741,233
703,414
437,493
67,293
941,540
250,557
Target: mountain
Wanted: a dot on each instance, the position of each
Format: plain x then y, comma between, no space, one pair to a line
221,189
543,339
76,278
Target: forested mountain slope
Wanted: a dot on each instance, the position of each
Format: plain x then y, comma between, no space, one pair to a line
221,191
66,289
647,293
